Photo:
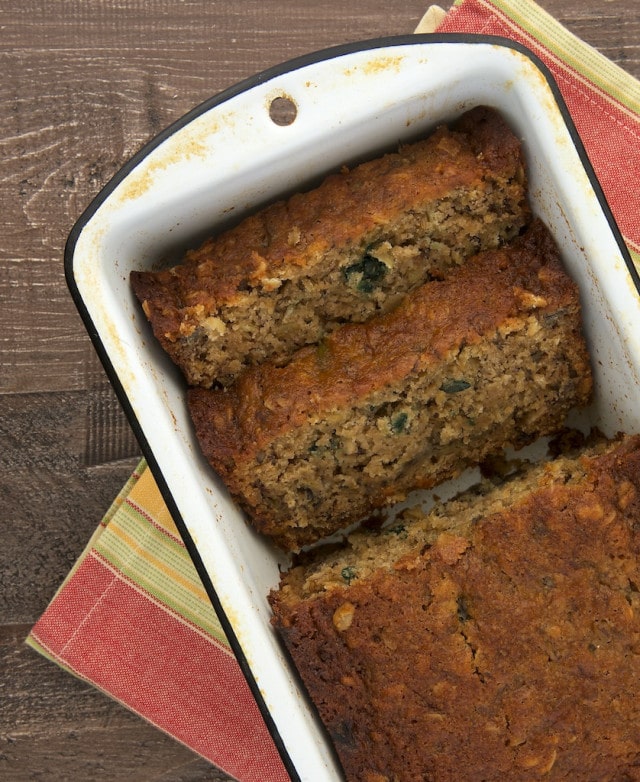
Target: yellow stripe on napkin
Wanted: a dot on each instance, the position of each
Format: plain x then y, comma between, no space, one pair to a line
142,544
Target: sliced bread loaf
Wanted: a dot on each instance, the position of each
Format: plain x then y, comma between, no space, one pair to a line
344,251
493,355
495,638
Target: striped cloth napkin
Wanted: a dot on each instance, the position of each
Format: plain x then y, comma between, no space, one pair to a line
132,617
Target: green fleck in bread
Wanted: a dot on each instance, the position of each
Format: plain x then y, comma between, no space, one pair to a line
496,638
285,276
493,355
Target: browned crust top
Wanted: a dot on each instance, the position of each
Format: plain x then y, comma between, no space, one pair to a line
281,240
512,654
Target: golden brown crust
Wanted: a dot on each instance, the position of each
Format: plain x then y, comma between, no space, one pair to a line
261,245
285,241
511,654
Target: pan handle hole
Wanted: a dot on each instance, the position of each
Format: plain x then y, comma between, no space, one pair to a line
283,111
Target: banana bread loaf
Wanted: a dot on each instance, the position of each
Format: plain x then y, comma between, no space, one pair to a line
495,638
490,356
342,252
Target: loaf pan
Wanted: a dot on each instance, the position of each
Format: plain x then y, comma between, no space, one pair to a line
273,134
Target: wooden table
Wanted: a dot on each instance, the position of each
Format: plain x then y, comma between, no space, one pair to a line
84,85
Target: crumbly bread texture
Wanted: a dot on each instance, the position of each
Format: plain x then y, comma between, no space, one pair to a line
344,251
497,638
493,355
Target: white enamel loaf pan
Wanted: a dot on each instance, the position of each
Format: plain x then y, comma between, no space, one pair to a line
227,157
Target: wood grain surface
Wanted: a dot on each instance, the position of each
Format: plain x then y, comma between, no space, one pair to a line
84,85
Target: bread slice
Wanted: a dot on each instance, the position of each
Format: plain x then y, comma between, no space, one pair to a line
345,251
491,356
494,638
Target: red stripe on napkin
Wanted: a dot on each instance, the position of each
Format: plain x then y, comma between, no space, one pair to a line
161,668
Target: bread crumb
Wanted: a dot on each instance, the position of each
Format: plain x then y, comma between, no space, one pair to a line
343,616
